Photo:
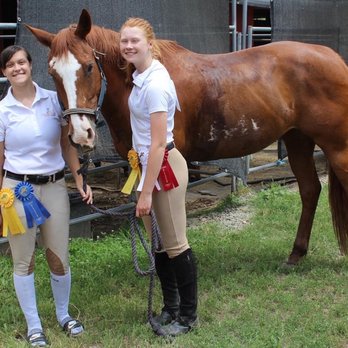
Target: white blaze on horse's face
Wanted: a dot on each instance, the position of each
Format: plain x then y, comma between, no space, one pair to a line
67,68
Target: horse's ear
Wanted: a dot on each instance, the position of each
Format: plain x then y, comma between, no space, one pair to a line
84,26
43,36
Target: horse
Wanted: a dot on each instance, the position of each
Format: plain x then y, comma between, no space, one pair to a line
232,105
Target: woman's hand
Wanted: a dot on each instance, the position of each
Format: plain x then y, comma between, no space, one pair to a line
87,196
71,157
144,204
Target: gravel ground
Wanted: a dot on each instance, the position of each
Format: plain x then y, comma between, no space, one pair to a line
234,218
237,218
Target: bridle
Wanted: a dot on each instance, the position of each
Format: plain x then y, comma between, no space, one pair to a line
94,112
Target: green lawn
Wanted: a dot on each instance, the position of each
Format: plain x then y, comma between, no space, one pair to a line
247,298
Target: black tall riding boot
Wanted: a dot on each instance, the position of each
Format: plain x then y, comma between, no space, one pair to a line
171,299
186,276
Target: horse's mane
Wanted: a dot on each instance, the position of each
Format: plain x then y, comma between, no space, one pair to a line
168,47
105,41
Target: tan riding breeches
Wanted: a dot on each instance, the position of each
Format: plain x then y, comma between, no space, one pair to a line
54,232
170,210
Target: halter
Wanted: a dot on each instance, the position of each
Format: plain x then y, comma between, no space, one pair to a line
97,112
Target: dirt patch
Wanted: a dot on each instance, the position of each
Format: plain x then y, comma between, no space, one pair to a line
107,185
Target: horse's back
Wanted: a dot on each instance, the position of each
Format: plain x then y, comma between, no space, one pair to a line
256,95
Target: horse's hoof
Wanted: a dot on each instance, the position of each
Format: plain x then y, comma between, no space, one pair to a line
296,257
287,266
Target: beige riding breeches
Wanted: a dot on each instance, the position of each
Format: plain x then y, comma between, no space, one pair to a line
170,210
54,232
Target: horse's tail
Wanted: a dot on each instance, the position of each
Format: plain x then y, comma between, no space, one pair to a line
339,203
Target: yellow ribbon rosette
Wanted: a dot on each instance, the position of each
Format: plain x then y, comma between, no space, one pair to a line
10,218
133,160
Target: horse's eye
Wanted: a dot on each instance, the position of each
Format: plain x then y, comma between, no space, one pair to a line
89,68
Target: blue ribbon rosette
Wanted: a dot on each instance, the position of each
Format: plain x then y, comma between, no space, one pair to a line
34,209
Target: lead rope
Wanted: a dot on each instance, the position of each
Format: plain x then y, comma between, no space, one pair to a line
155,245
84,169
134,231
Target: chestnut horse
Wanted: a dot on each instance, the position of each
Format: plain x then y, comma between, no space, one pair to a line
232,104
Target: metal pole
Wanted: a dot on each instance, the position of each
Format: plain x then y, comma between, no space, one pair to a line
252,33
210,178
233,184
250,36
265,29
234,24
8,26
245,22
239,41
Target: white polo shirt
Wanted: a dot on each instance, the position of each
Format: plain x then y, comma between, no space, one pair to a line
31,136
153,91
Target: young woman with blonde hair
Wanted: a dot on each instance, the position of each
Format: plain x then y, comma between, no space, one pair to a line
153,102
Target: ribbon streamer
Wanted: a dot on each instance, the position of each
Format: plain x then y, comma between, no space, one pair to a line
133,160
10,219
166,174
34,209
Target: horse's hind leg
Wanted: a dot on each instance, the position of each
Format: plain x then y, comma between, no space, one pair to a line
300,150
338,194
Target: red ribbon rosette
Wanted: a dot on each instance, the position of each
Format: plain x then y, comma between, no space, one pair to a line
166,174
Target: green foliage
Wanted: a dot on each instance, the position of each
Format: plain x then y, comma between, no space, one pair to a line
231,201
273,190
247,297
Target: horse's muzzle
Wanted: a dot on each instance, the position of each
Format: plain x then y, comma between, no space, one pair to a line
81,147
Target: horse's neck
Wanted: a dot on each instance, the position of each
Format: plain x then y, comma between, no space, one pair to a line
115,108
117,89
106,41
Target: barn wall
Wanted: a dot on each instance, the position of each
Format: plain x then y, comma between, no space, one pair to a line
199,25
341,18
313,21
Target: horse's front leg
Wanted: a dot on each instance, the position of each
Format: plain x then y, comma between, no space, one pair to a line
300,153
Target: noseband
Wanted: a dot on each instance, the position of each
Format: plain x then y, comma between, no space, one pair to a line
96,112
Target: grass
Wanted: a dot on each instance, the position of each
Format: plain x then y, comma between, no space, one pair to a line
247,298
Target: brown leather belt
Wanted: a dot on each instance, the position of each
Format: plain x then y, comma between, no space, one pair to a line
35,179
